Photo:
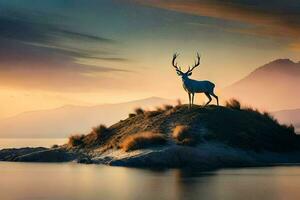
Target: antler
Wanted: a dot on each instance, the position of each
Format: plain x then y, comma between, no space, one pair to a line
175,64
197,63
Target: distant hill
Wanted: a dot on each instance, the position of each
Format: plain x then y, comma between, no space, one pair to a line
63,121
289,117
273,86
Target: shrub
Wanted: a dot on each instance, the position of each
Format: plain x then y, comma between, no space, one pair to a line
270,117
54,146
101,131
159,109
76,140
142,140
139,111
233,104
183,136
289,128
98,135
168,107
251,109
131,115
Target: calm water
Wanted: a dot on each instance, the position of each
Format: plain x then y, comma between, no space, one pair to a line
35,142
24,181
37,181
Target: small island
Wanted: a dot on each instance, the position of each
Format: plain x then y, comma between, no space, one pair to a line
207,138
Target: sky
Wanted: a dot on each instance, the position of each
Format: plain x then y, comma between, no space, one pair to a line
59,52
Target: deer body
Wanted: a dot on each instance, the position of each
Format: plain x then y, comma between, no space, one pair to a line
193,86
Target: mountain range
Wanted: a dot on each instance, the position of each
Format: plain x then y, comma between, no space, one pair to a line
66,120
273,86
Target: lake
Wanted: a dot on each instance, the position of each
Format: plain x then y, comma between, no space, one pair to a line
30,142
71,181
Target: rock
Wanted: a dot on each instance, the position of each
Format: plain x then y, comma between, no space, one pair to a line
11,154
48,155
85,160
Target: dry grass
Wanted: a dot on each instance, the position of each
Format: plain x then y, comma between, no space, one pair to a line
153,113
130,115
183,136
75,140
159,109
233,104
98,135
101,132
167,107
139,111
142,140
290,127
250,109
54,146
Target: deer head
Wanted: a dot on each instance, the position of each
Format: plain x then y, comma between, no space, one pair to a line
189,71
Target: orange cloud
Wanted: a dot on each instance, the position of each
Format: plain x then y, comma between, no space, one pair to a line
280,20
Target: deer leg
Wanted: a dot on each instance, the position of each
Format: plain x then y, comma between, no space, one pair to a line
209,98
193,98
189,99
216,97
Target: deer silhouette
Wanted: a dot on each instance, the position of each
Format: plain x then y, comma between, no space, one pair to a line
193,86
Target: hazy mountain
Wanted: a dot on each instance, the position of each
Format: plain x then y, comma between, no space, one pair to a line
289,117
61,122
274,86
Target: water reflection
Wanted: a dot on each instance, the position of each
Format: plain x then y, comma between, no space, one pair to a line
248,183
76,182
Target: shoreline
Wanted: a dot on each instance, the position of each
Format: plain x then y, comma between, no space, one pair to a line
205,157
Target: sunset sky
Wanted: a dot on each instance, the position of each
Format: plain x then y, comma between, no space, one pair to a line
58,52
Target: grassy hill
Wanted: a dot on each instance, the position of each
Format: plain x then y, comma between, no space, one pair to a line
178,136
233,125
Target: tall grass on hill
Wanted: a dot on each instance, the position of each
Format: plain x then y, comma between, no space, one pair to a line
183,135
159,109
75,140
150,114
252,129
142,140
54,146
234,125
233,104
98,135
167,107
139,111
130,115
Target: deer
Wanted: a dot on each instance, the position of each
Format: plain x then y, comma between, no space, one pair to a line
194,86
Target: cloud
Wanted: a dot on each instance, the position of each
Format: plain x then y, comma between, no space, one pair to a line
38,54
267,18
31,67
37,29
82,36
